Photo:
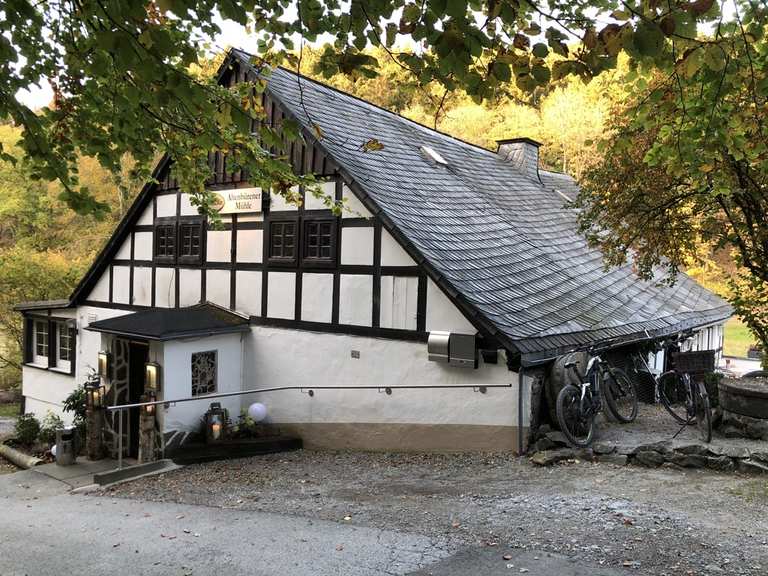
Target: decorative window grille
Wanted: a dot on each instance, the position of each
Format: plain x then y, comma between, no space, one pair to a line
204,373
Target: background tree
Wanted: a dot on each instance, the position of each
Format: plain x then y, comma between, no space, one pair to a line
123,83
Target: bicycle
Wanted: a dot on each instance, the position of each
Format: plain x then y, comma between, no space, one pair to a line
577,406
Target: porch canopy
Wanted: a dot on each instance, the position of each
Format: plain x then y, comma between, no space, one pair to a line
162,324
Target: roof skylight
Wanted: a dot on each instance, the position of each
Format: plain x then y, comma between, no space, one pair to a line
433,155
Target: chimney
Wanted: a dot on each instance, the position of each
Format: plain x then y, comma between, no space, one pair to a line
523,154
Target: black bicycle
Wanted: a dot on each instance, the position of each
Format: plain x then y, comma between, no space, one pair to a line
577,405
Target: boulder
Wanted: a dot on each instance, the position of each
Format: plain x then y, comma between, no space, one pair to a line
721,463
557,437
697,449
649,458
689,460
549,457
663,447
603,448
617,459
752,467
544,443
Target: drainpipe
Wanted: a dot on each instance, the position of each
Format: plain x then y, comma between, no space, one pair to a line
520,378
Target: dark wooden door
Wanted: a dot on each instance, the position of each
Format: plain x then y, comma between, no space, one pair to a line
138,355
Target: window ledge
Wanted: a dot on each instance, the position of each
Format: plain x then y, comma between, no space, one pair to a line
48,369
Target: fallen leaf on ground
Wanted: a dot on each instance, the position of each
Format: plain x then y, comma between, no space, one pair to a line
340,547
507,556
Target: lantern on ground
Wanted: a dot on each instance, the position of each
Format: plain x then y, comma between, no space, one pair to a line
94,394
152,373
215,423
105,364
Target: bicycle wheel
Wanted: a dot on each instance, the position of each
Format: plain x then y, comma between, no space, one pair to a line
576,424
703,411
673,396
620,395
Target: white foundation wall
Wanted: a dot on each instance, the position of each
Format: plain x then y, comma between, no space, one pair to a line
177,379
283,357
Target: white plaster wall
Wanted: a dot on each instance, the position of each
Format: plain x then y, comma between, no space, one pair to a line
392,254
249,245
189,287
353,208
312,203
317,297
142,246
186,207
357,246
142,285
100,292
217,287
281,297
325,359
146,217
89,342
248,292
166,205
165,288
443,315
124,253
255,217
121,276
399,296
177,383
278,203
219,246
356,299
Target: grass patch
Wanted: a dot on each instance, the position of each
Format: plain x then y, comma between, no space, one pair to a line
9,410
752,491
737,338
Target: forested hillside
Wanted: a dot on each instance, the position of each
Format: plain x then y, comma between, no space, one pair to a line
45,247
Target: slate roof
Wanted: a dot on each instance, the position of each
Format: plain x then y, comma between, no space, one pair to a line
172,323
43,305
505,243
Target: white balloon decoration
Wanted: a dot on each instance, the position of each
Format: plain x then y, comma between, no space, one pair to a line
257,411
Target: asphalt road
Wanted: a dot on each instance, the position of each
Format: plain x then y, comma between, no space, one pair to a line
44,530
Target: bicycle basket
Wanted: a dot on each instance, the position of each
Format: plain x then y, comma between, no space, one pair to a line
694,362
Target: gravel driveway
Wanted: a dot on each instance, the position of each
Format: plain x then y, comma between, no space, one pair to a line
661,521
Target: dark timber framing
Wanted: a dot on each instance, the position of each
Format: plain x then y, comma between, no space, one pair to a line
309,156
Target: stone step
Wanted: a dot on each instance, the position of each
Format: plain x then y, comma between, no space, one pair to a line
230,449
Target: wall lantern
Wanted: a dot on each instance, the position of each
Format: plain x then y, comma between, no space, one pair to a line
149,408
105,364
215,423
94,394
152,373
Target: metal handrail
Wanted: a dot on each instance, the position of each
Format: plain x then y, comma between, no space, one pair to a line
477,387
388,389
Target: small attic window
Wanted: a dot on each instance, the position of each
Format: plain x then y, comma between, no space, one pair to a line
432,154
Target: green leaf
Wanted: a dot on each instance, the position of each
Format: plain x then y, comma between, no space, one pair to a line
540,50
648,39
714,57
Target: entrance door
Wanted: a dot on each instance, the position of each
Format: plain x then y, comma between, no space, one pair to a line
138,355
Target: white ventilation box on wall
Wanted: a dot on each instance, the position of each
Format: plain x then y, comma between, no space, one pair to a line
454,349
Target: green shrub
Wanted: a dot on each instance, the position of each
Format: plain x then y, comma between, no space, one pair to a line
27,429
51,424
75,404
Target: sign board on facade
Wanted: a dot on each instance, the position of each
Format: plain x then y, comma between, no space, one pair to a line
237,201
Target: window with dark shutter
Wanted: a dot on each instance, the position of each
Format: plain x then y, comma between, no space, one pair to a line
165,242
282,241
190,241
318,242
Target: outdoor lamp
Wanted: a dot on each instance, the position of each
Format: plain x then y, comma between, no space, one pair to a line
150,408
152,377
94,394
215,423
105,364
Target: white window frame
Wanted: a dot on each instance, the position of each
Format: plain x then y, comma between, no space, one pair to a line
61,364
40,359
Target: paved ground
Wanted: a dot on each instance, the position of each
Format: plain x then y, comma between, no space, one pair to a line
44,530
664,521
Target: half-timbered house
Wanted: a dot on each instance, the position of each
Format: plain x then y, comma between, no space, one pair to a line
439,237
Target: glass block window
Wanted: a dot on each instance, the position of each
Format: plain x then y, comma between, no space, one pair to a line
318,240
203,373
282,241
165,241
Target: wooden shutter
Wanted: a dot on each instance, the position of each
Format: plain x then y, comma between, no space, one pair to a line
72,349
29,334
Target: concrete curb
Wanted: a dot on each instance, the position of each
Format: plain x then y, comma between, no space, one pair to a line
113,477
18,458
